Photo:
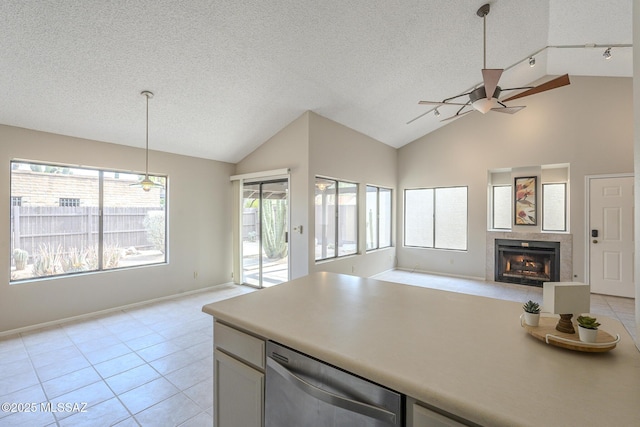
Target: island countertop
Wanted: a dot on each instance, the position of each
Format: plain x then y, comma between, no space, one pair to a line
467,355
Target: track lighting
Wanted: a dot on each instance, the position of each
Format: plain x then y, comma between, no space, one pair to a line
607,53
532,62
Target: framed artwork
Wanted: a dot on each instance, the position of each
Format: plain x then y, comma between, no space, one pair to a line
525,197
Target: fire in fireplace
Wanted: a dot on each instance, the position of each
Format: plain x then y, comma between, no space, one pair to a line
527,262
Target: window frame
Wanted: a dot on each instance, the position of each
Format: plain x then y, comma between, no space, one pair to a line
336,194
101,227
433,219
377,219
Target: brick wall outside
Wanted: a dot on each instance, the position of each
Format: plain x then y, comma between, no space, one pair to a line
46,189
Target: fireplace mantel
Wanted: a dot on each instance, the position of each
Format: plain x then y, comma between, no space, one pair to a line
566,250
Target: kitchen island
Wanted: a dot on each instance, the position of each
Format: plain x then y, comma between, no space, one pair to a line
464,355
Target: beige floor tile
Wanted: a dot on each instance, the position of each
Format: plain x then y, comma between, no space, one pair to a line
105,414
173,411
70,382
132,378
147,395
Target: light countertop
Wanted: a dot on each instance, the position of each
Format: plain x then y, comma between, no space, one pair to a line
467,355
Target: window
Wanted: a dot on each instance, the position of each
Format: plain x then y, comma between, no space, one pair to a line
16,201
336,213
436,218
501,203
378,219
554,207
69,202
116,225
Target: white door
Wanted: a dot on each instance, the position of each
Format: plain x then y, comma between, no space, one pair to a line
611,244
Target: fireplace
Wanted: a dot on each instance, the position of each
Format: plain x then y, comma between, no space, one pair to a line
527,262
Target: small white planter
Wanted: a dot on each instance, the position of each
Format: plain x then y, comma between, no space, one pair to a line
531,319
587,335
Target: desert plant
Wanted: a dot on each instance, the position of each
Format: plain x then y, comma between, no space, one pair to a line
588,322
111,256
531,307
20,256
274,228
75,260
48,261
154,224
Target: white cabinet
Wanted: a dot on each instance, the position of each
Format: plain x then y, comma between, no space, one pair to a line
420,416
238,378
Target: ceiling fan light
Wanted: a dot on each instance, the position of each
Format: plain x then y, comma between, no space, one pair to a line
484,105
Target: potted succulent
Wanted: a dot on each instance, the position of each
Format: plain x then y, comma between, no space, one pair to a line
531,313
587,328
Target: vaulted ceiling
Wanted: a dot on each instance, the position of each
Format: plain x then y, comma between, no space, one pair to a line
227,75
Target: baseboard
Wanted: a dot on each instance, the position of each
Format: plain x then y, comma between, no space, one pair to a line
108,310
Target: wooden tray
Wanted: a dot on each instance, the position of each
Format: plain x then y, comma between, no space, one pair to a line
546,332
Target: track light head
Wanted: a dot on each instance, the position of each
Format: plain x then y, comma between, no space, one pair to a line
532,62
607,53
436,113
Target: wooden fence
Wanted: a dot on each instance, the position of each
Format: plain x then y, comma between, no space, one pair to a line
78,227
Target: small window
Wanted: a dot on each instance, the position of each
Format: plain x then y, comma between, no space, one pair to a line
501,202
378,217
336,213
66,202
16,201
554,207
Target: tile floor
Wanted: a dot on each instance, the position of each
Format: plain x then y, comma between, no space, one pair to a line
152,365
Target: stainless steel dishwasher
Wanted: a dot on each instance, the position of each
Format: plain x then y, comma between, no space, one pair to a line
302,391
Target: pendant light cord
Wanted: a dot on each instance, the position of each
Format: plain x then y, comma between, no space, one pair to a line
146,165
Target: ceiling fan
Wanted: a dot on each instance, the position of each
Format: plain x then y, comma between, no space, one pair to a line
486,98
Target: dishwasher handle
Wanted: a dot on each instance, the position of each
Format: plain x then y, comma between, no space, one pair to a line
332,398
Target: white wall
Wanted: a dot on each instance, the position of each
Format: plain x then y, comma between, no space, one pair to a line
289,148
588,125
313,145
199,196
337,151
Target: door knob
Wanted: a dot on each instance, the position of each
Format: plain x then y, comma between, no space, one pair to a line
595,241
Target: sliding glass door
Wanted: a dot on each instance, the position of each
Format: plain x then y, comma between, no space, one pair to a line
265,232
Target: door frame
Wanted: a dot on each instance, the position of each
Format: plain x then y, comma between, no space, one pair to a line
587,217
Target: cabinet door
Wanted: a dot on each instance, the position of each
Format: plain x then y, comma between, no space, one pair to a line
238,393
423,417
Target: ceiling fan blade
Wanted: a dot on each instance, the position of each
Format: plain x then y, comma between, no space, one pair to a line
456,115
438,103
551,84
490,77
508,110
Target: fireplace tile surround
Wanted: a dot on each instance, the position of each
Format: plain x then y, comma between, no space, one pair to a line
566,250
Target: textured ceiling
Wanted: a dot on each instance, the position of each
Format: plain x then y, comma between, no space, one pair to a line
227,75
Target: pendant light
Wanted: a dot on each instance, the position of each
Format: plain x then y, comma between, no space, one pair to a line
146,183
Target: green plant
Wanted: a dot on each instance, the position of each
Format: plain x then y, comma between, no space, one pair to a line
75,260
154,224
531,307
20,256
274,228
588,322
48,261
111,256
